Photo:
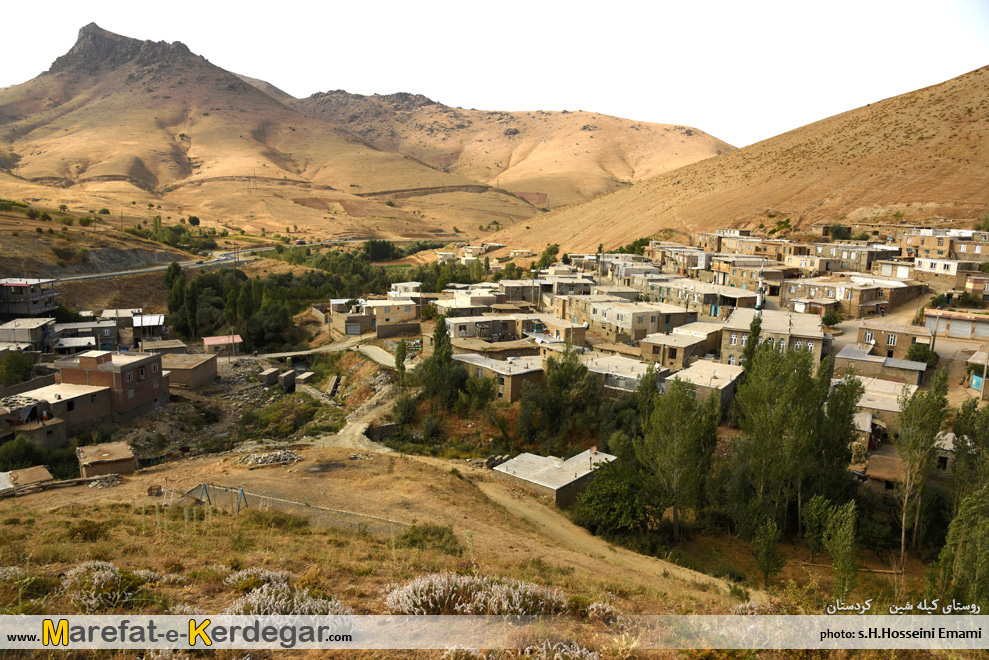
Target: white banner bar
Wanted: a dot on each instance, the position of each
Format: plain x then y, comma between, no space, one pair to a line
481,632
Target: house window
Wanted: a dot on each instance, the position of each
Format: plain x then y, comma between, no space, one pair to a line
782,345
130,376
154,367
868,336
673,353
793,288
891,340
106,333
92,399
734,339
810,345
978,249
70,406
942,463
142,373
798,344
844,254
745,339
962,248
731,359
130,393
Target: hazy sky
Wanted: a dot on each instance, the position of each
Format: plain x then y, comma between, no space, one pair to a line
740,70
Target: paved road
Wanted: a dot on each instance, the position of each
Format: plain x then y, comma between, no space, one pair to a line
342,345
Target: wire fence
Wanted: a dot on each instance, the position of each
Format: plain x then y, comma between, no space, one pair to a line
236,500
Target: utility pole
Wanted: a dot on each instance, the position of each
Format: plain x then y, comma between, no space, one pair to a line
985,371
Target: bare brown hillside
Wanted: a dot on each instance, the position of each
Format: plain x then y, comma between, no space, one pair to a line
118,122
548,158
922,154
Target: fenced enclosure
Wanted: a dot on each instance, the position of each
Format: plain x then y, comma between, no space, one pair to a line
235,500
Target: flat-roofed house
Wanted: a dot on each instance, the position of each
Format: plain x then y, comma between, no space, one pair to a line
711,378
560,480
22,297
509,374
189,370
891,339
672,351
137,380
960,325
785,331
109,458
37,332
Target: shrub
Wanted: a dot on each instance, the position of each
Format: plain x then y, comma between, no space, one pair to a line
33,214
45,216
431,537
104,211
449,593
94,586
253,578
85,222
87,530
12,573
831,318
271,599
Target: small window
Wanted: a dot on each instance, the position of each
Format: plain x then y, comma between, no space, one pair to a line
734,339
745,339
798,344
810,345
891,340
731,359
130,393
942,463
70,406
130,376
868,336
154,367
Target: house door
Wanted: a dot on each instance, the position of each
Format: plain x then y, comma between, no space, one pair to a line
889,353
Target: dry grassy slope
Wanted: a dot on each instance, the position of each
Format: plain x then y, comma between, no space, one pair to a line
550,158
123,120
921,154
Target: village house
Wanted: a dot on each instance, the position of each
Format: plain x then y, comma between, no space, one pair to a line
388,311
189,370
855,295
617,373
860,359
102,332
707,300
577,309
137,381
781,330
21,297
509,373
882,398
672,351
222,344
892,339
629,322
943,274
35,333
109,458
560,480
711,378
978,286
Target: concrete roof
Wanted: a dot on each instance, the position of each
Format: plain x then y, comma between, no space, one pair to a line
862,353
784,323
21,281
391,302
891,326
510,367
863,421
117,313
184,360
111,451
677,340
885,468
702,374
881,394
950,314
979,358
698,328
62,391
31,475
615,365
20,324
85,325
552,472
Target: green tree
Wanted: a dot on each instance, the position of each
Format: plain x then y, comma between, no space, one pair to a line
193,220
618,501
923,353
921,418
970,469
766,549
839,232
172,273
15,368
678,443
548,257
962,569
816,514
839,539
401,353
752,342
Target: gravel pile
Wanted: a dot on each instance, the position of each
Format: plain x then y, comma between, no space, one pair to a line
282,456
109,481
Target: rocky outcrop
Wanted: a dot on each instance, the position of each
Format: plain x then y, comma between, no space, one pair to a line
97,49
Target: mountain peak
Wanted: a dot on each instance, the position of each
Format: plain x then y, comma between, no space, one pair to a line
96,48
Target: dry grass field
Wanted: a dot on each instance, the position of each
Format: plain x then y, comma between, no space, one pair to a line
911,157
